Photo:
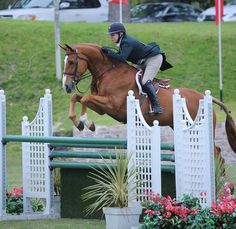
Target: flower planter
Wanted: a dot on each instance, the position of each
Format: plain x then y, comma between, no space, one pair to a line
125,218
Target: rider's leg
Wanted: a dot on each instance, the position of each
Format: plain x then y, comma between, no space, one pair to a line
152,65
149,89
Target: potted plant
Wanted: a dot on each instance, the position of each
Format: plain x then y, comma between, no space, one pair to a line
112,191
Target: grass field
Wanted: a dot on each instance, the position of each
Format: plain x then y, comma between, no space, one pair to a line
54,224
27,68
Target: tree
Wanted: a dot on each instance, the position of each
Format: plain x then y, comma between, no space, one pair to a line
5,3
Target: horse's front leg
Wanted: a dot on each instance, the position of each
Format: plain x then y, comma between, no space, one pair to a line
72,115
99,104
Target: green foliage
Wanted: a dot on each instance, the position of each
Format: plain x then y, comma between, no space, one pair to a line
111,184
37,204
57,181
14,202
165,212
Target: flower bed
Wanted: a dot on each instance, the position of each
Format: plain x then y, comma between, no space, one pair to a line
165,212
14,202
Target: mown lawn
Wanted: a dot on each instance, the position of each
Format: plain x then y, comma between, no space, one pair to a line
54,224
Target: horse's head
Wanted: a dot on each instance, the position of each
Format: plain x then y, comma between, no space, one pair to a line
75,66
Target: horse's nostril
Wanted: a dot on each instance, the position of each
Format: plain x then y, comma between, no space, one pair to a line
68,88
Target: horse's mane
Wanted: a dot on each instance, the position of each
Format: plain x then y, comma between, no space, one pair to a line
86,45
91,47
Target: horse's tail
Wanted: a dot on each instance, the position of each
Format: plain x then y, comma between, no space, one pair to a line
230,126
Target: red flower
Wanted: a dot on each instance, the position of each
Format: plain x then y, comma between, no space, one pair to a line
150,212
17,192
168,215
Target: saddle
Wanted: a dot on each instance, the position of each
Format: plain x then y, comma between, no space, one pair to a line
163,83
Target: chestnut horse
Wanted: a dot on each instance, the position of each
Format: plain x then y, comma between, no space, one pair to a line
111,81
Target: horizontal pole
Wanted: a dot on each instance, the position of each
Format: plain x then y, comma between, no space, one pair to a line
97,155
89,165
69,140
168,168
79,165
164,146
167,146
88,146
56,141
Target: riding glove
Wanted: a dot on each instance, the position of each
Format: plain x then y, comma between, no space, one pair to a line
105,50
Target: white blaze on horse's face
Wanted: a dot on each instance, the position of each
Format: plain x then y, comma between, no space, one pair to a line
64,75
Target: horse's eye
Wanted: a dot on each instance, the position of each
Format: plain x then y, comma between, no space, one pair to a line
70,62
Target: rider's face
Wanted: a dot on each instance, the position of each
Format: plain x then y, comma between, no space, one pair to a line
114,37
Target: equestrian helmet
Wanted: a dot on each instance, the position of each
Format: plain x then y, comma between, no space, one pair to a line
116,27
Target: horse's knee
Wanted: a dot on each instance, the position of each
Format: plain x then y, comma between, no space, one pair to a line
75,98
84,99
72,117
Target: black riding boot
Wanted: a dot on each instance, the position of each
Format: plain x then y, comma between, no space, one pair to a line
150,90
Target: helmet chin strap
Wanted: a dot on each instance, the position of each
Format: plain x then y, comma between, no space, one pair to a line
119,38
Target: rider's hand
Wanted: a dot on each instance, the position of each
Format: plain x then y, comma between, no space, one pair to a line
105,50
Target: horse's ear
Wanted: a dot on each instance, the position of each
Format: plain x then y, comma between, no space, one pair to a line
69,47
63,47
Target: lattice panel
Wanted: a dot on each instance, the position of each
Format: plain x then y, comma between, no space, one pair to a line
37,176
36,157
144,143
194,151
143,159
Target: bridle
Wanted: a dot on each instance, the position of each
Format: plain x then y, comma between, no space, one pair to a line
75,78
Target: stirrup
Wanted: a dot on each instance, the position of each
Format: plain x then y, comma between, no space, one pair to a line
151,112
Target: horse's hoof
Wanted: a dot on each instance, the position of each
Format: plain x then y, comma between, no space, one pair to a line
92,127
80,126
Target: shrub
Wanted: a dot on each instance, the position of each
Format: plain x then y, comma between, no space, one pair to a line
14,202
165,212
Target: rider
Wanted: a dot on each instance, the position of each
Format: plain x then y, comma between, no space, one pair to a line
149,56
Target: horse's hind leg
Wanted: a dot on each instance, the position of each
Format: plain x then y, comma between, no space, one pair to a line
72,115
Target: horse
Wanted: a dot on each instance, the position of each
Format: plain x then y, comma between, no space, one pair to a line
111,81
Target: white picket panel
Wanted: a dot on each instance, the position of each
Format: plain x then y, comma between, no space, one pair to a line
144,144
194,150
37,182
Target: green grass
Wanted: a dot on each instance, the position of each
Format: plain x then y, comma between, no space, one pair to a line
54,224
27,67
27,61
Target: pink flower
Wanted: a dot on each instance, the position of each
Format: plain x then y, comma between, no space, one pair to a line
168,214
169,208
195,211
17,192
150,212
